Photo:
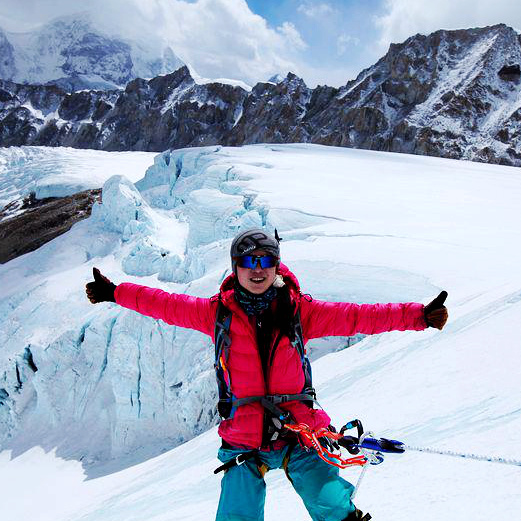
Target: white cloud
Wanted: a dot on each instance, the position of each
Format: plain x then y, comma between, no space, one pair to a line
219,38
344,41
314,10
289,31
404,18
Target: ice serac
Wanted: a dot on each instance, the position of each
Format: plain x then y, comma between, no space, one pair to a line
100,383
104,383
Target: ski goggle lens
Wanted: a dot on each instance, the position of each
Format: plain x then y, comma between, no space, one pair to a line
251,261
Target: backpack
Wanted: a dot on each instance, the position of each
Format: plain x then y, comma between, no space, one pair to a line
228,403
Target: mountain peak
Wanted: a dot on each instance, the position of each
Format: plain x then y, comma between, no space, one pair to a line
73,52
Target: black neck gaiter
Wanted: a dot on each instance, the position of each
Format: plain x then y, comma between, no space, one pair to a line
254,304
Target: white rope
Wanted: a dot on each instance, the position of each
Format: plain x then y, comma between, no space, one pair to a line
370,457
362,474
493,459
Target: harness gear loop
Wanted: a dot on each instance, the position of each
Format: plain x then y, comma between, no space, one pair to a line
238,460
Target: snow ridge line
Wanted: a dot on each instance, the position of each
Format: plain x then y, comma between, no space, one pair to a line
477,457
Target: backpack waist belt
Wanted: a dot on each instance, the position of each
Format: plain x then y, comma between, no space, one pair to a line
270,401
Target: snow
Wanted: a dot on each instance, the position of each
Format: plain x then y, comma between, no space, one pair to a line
50,52
456,80
228,81
63,172
473,77
99,432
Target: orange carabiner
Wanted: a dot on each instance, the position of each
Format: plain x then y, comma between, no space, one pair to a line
312,437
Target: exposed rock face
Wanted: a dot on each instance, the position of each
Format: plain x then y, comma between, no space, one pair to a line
41,221
453,94
271,113
446,94
165,112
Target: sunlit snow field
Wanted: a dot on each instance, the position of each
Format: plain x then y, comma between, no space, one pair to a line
357,226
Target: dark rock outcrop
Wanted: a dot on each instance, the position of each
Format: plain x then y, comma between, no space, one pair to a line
41,220
271,113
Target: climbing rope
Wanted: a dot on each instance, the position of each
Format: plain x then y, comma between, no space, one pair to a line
478,457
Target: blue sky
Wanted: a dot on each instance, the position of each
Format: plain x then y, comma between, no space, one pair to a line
323,41
340,34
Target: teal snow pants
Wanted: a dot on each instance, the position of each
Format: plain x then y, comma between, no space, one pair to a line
325,494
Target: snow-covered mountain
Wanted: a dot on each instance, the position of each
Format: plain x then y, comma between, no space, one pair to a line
151,115
74,53
453,94
105,388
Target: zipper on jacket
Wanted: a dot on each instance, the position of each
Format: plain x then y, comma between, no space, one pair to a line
265,417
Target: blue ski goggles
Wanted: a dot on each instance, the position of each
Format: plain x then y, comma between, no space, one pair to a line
251,261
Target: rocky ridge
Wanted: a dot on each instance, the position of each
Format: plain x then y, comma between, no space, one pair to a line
452,94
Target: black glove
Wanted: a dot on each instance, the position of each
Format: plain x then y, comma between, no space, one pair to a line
435,312
101,290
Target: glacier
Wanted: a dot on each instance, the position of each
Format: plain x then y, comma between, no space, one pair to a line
62,171
104,393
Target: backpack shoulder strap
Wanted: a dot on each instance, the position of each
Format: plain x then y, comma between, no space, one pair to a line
222,341
298,344
223,320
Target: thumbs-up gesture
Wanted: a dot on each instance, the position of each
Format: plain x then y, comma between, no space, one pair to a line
435,312
101,290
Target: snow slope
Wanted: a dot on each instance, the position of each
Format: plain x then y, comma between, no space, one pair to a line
113,388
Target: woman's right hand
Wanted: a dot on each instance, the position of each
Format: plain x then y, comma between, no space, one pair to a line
101,289
436,313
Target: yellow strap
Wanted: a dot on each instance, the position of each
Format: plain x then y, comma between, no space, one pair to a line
263,469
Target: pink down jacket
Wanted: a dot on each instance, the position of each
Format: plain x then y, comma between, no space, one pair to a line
285,375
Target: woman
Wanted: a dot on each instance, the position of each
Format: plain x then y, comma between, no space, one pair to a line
261,364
